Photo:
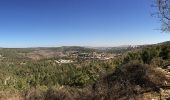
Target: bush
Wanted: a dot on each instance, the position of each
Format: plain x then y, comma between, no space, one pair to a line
129,81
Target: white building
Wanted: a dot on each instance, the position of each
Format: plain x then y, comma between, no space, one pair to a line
62,61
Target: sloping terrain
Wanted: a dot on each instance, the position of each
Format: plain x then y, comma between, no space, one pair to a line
140,74
133,82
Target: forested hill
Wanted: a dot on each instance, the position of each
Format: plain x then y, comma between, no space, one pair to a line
65,49
49,52
134,74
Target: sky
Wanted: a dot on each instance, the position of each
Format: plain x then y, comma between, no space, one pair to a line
98,23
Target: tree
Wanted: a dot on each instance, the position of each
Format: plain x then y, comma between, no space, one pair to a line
164,13
132,56
165,53
146,56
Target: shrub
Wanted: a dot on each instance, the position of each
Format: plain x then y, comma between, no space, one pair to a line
129,81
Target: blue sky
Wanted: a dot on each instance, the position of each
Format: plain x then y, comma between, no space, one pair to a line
38,23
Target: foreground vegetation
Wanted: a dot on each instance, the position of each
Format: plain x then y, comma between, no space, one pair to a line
134,73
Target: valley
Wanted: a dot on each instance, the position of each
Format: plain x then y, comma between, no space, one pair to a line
75,71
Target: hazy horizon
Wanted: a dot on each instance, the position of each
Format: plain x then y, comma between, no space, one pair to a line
86,46
97,23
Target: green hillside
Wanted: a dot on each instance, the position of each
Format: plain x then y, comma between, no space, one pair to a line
131,75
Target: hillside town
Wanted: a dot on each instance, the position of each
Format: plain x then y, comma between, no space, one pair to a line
71,56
